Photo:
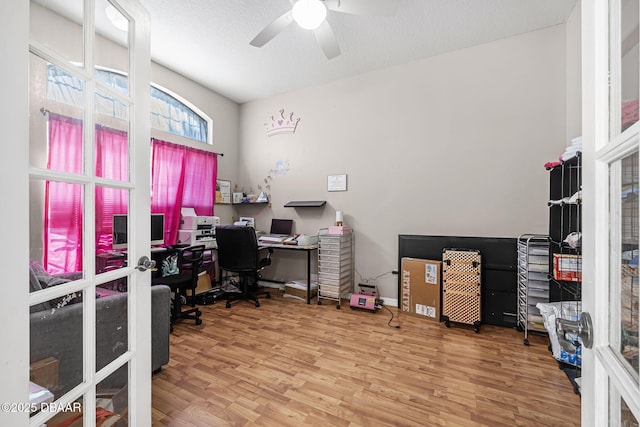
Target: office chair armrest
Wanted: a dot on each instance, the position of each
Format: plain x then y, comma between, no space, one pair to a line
266,260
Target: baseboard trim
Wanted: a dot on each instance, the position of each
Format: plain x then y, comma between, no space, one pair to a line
391,302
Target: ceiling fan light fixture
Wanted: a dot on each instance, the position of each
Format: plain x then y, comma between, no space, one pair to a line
309,14
117,19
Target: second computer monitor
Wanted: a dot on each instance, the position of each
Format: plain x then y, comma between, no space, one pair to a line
281,226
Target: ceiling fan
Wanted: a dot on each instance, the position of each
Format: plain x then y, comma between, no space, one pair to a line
311,15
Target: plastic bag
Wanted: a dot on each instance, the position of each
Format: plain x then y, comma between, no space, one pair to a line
569,310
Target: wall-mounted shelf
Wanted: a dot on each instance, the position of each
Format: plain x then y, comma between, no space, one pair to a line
306,204
250,203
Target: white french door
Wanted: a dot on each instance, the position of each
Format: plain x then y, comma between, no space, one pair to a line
69,295
611,139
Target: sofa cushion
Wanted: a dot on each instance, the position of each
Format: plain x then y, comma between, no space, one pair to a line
40,279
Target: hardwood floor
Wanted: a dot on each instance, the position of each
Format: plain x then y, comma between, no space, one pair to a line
291,364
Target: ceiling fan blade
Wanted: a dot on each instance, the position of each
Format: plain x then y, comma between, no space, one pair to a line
364,7
272,30
327,40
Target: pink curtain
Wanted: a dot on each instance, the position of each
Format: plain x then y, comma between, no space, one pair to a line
166,185
181,177
63,202
112,161
200,173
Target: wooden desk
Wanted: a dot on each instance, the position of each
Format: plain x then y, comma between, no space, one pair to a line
307,249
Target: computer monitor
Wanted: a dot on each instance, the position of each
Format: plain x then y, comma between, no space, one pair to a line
157,229
120,230
281,226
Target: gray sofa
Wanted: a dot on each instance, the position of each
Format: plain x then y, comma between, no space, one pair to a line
58,333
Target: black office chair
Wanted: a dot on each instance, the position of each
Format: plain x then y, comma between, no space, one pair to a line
189,265
238,253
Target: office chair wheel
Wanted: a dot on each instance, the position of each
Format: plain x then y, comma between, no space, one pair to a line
338,307
228,304
198,321
257,303
476,327
268,295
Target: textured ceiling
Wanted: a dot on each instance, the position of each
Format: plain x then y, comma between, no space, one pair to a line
208,40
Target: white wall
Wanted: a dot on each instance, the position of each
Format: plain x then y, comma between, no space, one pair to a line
574,74
450,145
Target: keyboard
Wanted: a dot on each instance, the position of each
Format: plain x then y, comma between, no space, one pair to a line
272,239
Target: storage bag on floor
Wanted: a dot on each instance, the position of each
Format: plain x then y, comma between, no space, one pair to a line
461,286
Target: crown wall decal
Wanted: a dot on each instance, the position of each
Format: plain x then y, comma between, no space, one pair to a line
281,124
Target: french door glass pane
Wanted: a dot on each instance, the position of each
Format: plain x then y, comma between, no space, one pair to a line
112,207
629,68
111,322
55,118
620,415
112,35
58,27
626,416
112,152
56,340
112,136
112,394
55,232
625,317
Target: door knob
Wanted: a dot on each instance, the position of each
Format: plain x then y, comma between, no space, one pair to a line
144,264
582,328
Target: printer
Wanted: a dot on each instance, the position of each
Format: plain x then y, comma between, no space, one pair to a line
198,237
199,222
197,230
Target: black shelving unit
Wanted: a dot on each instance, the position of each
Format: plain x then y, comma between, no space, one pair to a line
565,218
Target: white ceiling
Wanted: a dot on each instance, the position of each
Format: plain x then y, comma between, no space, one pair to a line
208,40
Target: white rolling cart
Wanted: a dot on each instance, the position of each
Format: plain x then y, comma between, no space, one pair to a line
533,281
335,264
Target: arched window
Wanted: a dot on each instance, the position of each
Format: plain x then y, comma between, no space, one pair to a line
168,113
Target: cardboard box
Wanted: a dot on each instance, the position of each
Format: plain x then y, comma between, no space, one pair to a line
567,267
421,288
45,373
204,283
